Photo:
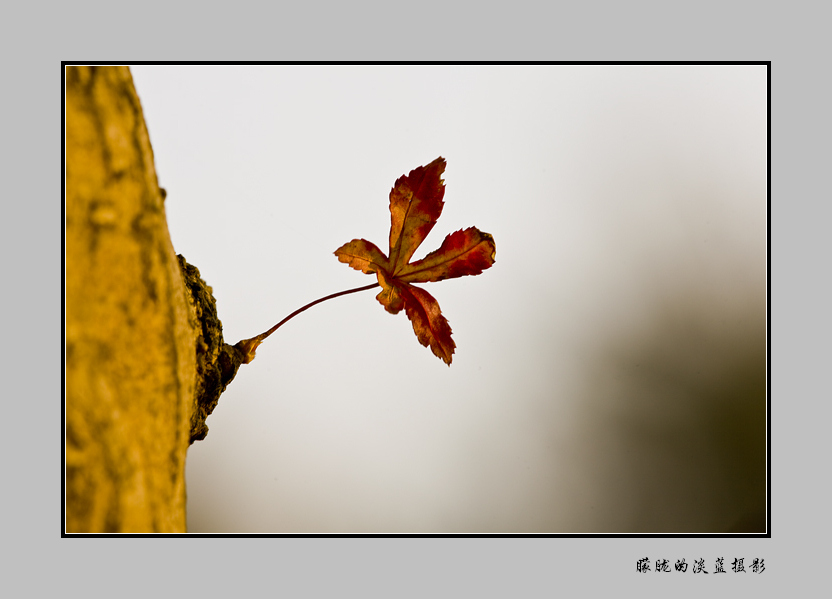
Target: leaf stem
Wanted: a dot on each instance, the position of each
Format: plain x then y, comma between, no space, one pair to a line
249,346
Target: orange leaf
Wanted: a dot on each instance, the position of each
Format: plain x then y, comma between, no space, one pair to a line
430,326
467,252
416,202
362,255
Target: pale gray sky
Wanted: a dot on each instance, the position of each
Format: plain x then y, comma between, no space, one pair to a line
610,368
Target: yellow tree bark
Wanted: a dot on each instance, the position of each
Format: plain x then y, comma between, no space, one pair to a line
131,325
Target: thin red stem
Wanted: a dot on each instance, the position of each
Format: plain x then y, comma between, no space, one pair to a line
247,347
262,336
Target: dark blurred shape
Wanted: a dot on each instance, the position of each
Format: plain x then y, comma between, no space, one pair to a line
679,409
752,523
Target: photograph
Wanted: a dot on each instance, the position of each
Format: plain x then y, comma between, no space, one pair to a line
417,299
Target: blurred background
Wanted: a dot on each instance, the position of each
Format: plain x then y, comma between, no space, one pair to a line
610,371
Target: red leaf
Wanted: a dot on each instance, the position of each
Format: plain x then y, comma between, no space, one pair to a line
416,202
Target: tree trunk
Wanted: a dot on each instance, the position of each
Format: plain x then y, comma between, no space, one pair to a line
133,336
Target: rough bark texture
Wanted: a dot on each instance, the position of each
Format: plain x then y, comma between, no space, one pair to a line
216,362
140,375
